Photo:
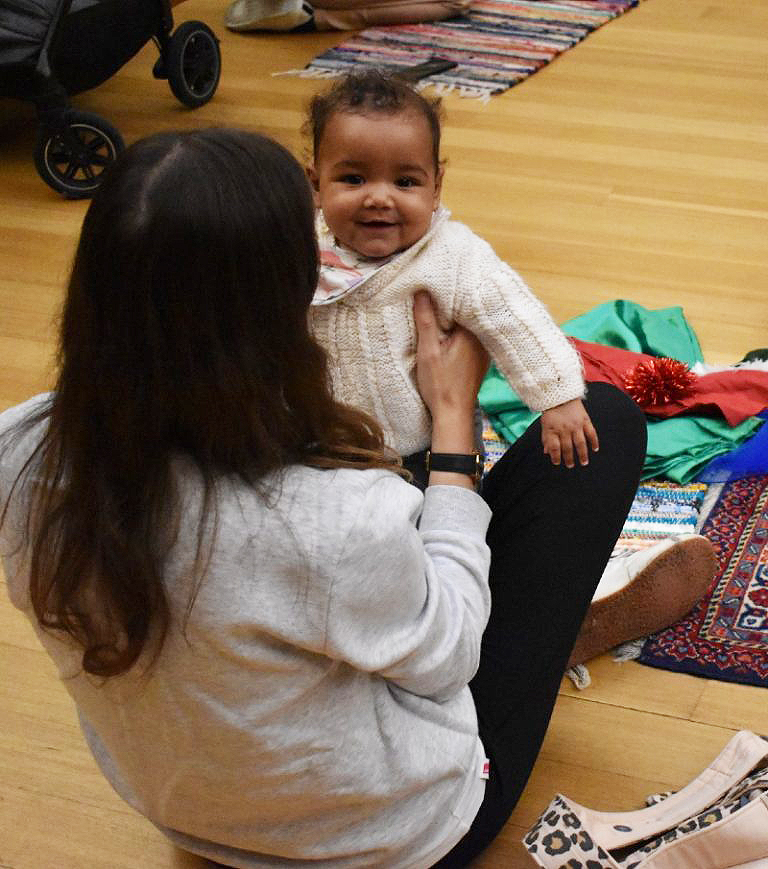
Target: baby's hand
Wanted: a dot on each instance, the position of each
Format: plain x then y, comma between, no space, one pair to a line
567,431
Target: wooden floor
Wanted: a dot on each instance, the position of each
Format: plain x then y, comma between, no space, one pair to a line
635,166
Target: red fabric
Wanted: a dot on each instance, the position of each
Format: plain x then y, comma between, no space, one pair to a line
735,394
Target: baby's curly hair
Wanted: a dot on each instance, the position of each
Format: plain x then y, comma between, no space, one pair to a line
372,91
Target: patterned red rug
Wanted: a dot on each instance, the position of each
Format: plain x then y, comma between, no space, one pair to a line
726,636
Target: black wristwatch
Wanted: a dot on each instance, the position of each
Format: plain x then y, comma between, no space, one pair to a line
456,463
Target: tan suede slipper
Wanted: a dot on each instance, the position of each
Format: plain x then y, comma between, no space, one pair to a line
642,593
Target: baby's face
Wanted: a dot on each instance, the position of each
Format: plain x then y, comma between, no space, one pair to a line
375,180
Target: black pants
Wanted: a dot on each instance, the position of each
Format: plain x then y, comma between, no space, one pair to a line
552,533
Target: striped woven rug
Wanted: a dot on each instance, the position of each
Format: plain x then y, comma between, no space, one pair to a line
660,509
497,44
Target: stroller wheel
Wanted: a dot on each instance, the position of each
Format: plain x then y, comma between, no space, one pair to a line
72,157
193,63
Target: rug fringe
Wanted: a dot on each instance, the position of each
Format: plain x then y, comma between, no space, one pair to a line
463,90
710,499
311,72
629,651
580,677
441,88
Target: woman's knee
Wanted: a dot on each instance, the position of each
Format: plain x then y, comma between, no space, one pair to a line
605,398
620,423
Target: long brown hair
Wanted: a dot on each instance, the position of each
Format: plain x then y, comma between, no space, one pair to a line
184,333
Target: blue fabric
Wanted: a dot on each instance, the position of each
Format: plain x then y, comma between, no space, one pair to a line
750,458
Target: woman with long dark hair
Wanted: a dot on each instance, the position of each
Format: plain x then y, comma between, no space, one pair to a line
280,651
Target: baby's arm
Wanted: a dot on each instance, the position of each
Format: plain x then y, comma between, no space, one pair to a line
567,432
528,347
530,350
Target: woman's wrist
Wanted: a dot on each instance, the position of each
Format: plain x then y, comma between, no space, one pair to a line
453,432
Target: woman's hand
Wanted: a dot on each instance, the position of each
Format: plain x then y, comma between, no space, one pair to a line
450,367
567,433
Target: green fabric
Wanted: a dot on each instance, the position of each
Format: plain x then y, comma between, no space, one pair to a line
679,447
664,332
503,407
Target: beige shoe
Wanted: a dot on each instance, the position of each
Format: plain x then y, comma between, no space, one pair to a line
644,592
274,15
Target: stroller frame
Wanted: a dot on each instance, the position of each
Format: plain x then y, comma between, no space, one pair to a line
60,49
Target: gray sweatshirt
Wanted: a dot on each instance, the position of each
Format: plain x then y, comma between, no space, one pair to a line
315,712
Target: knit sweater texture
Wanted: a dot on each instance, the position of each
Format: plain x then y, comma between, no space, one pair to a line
315,710
370,336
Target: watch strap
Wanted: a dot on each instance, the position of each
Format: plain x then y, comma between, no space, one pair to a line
456,463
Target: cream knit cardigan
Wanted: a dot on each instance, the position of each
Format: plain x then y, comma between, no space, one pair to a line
370,337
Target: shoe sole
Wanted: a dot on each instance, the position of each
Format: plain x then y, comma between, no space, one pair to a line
660,595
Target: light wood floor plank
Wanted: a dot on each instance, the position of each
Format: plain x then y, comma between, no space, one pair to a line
635,166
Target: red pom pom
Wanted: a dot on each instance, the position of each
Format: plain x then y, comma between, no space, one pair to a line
659,381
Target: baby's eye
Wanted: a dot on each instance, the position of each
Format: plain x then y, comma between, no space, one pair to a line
406,182
351,178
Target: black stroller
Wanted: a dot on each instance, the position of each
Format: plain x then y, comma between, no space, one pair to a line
52,49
